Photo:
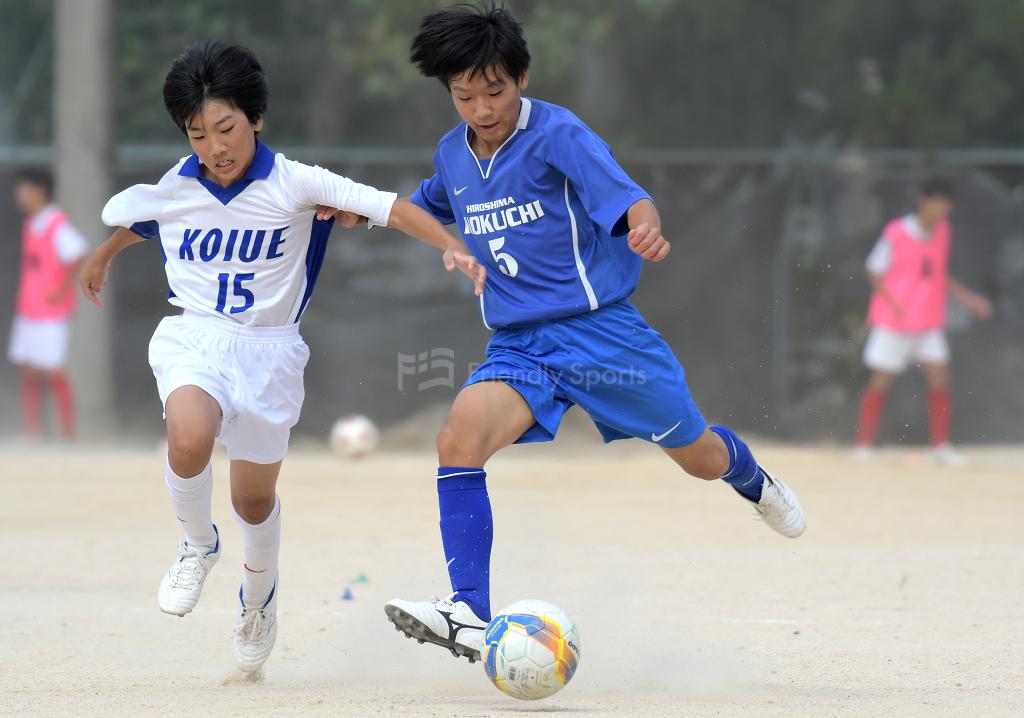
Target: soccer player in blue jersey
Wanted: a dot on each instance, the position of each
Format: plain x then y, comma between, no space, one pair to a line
242,253
563,231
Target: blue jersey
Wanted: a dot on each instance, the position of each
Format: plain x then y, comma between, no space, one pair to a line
545,215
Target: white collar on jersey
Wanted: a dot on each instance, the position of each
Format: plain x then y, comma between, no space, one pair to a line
40,221
524,119
914,228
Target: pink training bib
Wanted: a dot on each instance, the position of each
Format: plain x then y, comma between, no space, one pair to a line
918,279
42,272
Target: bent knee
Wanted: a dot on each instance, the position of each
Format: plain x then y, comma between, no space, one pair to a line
188,451
253,508
706,466
457,447
706,471
707,458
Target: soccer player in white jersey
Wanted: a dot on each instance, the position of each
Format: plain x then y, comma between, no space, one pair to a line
242,252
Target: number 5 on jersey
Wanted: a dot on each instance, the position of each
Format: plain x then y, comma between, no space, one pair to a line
239,291
506,262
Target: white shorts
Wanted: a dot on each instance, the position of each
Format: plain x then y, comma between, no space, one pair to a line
892,352
254,373
39,343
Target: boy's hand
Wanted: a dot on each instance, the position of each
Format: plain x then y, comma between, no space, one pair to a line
345,219
978,305
467,264
92,278
647,241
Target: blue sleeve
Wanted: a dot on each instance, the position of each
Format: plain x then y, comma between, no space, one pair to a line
147,230
604,188
432,196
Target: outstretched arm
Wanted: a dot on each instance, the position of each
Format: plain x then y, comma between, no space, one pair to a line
67,284
94,272
410,219
645,236
415,222
315,186
975,303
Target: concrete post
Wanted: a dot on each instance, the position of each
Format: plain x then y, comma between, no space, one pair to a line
84,167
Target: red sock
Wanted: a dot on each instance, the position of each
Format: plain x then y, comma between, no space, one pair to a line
65,403
939,414
30,402
870,414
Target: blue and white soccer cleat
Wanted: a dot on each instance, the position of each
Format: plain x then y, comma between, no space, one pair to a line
255,633
183,583
780,508
441,621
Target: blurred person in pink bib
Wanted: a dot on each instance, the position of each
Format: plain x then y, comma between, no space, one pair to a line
909,273
51,255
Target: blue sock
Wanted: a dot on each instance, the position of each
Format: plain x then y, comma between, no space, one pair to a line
744,474
467,532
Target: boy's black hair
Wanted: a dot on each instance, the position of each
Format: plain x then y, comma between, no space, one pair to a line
37,177
474,38
937,187
215,70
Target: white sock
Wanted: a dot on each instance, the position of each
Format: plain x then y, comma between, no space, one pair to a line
191,499
260,545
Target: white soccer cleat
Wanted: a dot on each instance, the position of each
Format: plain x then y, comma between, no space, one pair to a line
183,583
255,633
451,625
780,508
946,454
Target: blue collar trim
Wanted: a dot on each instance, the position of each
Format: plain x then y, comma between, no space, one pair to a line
259,169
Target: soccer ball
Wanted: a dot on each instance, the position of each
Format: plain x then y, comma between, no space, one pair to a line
354,437
531,649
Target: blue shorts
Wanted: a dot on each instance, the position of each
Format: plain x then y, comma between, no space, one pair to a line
610,362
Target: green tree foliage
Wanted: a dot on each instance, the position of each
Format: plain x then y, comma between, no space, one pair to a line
909,73
26,49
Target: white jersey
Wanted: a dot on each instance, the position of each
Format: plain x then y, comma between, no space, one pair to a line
250,252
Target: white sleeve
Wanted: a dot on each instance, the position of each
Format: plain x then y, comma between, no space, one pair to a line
880,259
311,186
71,245
141,202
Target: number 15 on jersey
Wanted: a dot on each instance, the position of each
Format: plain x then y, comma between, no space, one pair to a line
240,292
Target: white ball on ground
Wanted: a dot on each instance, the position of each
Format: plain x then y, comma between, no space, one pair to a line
354,437
531,649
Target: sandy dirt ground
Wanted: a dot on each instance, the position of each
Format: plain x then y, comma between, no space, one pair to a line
904,598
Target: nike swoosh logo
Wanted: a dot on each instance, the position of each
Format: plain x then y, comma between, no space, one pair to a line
658,437
460,191
448,565
252,570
